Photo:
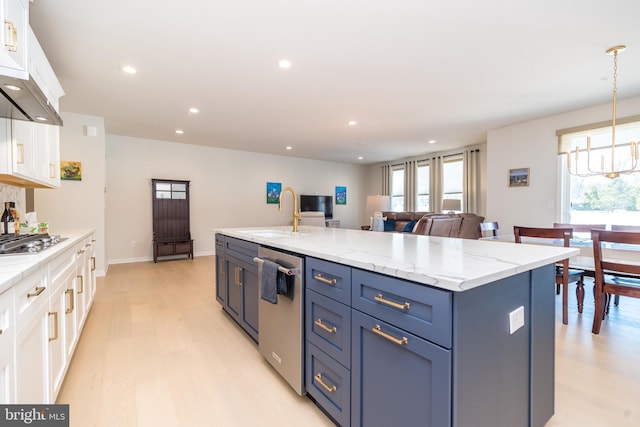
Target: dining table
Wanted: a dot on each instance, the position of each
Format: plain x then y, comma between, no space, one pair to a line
584,260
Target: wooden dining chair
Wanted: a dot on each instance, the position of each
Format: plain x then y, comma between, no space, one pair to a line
564,275
489,226
613,277
582,228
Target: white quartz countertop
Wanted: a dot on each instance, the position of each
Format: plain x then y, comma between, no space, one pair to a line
14,268
442,262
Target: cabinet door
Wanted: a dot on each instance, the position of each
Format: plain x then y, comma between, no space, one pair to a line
56,339
234,288
13,38
7,379
397,379
24,149
47,141
242,294
32,359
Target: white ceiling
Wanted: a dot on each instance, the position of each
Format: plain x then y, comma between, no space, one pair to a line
407,71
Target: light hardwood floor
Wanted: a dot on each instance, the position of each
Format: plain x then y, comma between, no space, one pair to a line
157,350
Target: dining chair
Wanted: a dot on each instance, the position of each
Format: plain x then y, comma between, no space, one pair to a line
613,277
312,218
564,275
582,228
489,226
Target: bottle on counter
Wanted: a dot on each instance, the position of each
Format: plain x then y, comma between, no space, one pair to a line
16,217
7,220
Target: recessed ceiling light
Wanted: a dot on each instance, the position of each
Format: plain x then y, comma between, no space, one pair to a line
194,110
288,147
352,123
179,131
432,141
284,63
129,69
13,87
360,158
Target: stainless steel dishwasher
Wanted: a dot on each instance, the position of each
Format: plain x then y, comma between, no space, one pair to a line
280,326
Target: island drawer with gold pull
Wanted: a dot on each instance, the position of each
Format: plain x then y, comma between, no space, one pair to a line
329,326
30,294
329,383
421,310
329,279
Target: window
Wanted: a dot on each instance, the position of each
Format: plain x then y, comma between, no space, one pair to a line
452,177
422,204
597,199
397,189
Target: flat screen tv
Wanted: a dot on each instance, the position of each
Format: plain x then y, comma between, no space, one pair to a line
318,204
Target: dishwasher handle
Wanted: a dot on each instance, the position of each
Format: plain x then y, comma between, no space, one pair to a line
287,271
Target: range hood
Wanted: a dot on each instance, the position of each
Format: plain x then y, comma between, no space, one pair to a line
22,99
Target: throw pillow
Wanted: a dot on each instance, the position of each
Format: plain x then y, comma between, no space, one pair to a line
409,227
389,225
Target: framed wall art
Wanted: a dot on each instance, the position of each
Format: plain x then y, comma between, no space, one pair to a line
341,195
273,192
70,171
519,177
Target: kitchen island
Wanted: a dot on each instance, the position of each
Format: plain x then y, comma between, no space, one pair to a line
416,330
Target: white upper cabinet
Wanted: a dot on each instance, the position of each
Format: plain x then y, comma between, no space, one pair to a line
13,38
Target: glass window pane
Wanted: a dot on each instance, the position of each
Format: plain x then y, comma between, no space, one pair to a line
397,182
179,195
163,186
163,194
179,187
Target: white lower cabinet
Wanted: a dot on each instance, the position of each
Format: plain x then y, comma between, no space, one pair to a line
45,308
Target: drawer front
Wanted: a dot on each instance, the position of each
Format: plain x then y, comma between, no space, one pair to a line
30,295
241,249
421,310
328,326
183,248
329,383
329,279
60,266
7,328
165,249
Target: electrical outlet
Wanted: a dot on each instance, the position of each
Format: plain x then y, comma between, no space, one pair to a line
516,319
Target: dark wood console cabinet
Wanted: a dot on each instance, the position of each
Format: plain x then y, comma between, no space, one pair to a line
171,230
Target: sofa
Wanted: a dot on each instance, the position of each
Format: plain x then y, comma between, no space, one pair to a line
462,225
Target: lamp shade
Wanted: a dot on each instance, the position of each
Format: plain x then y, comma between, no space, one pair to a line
378,203
451,205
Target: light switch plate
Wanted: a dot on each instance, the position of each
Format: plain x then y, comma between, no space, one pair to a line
516,319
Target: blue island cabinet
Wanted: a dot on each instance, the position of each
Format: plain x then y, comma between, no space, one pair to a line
423,356
237,287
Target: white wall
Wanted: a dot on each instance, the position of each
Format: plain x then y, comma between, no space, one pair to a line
79,204
534,145
228,189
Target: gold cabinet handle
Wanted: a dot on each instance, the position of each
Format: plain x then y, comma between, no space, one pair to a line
55,329
12,33
332,330
81,287
39,290
238,276
393,304
93,263
400,341
318,378
52,171
80,251
319,278
71,301
20,148
1,331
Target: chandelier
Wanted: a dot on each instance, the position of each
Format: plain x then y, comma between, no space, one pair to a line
610,172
